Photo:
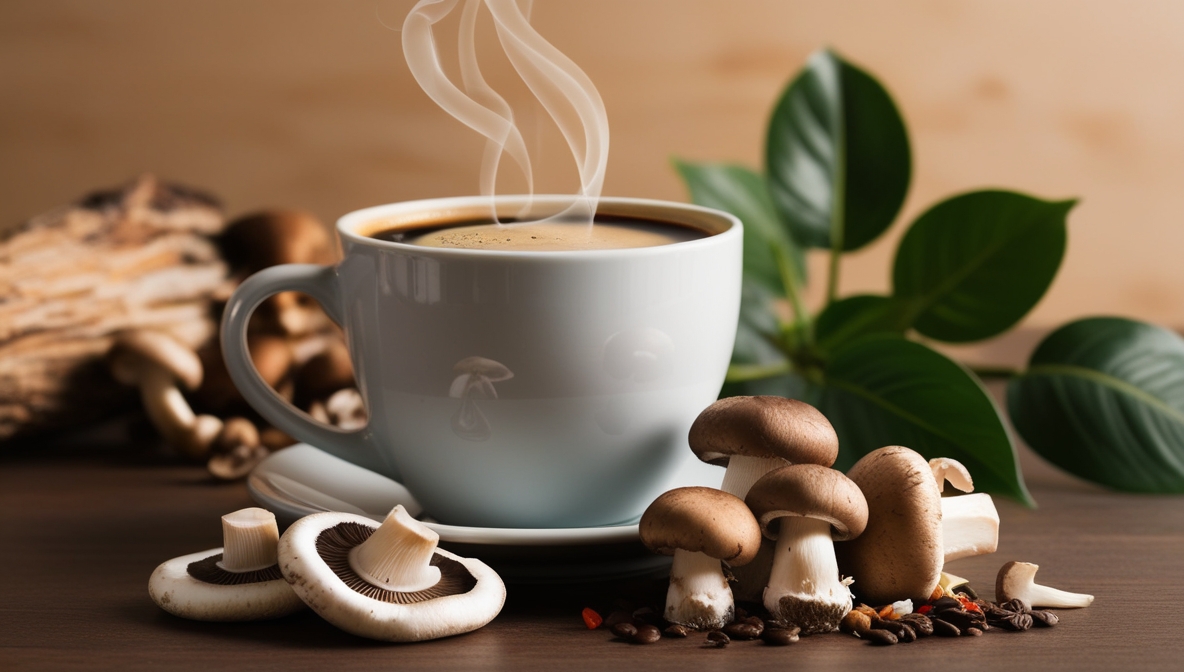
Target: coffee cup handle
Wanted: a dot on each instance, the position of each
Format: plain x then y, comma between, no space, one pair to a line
319,282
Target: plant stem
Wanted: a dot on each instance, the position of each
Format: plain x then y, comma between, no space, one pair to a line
739,373
837,213
789,279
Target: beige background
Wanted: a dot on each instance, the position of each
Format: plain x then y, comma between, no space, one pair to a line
309,104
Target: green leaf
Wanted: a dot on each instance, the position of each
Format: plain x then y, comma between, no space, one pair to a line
855,317
837,155
743,193
886,390
973,265
1103,398
758,333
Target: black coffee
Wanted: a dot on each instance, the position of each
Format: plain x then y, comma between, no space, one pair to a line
609,232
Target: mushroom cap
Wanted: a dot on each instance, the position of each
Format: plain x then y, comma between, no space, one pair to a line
900,554
176,591
701,520
269,237
809,491
767,427
335,601
134,348
482,366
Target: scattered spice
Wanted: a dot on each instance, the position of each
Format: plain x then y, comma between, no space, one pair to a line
591,618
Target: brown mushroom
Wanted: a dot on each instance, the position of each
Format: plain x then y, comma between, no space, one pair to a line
237,450
700,527
806,508
754,435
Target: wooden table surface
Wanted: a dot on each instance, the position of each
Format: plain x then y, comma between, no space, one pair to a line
79,536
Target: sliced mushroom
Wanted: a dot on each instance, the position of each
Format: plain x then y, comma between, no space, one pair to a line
700,527
239,582
390,582
751,436
969,523
806,508
1017,581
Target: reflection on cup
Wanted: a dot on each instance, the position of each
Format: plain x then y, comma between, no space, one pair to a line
643,355
475,379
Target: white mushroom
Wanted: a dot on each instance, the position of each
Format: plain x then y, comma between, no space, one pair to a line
969,523
239,582
390,582
700,527
1017,581
346,409
806,508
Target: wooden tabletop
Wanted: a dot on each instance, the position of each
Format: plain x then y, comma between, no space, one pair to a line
80,534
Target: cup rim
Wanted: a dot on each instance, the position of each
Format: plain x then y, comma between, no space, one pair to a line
349,225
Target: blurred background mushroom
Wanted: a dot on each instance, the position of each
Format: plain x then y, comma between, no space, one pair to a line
123,290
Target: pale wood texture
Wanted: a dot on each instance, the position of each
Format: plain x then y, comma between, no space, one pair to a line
82,537
138,258
308,104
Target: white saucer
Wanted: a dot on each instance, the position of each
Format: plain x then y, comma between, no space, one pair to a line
302,480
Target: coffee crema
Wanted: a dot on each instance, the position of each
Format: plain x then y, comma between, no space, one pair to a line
610,232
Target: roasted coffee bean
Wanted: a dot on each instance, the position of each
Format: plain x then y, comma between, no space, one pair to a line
1045,619
945,604
900,630
742,631
972,632
959,618
1017,622
741,614
647,634
920,624
780,636
677,630
945,628
625,631
618,616
879,637
717,639
1017,606
912,630
755,621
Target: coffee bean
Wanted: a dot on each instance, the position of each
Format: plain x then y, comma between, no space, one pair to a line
717,639
741,613
972,632
946,603
753,621
780,636
1045,619
647,634
900,630
677,630
626,631
1016,606
959,618
945,628
909,632
1017,622
879,637
742,631
920,624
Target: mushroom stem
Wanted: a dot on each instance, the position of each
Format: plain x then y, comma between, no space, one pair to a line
743,471
804,586
969,526
699,595
166,407
249,538
1017,580
398,555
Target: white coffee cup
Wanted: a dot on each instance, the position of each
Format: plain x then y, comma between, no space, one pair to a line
516,389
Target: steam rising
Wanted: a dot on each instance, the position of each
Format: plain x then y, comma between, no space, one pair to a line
565,92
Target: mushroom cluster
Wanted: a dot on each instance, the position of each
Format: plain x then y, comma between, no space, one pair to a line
778,453
388,582
294,346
